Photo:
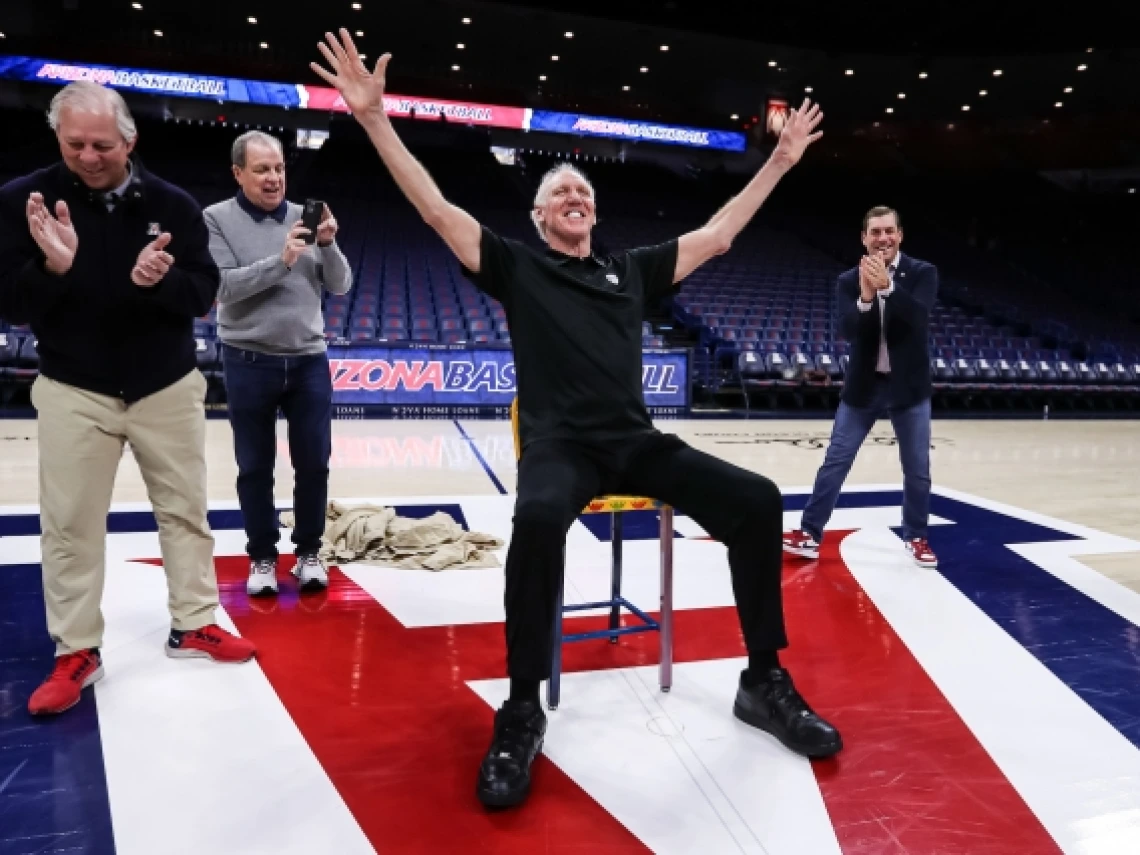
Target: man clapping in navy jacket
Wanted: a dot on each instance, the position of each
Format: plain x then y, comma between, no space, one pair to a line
110,265
883,307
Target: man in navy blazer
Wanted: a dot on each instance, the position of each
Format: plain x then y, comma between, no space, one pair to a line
883,307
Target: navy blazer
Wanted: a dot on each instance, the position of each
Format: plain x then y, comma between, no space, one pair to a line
907,319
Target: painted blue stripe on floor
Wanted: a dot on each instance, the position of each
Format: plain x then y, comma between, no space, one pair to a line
118,522
53,788
478,456
1091,649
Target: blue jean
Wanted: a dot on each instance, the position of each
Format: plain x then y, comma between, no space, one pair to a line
257,386
852,424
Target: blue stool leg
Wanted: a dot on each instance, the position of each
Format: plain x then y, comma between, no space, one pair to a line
666,676
615,578
554,684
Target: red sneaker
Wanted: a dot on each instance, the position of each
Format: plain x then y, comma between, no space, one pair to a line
801,543
73,672
923,556
209,642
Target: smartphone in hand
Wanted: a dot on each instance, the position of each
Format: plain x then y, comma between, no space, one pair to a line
311,219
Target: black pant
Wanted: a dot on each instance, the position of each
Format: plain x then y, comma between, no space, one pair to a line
558,477
257,385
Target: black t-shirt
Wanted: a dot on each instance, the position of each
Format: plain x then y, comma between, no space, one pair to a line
576,333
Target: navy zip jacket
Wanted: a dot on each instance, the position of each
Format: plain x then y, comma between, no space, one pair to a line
95,329
906,321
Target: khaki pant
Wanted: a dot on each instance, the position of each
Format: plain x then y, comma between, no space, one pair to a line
81,437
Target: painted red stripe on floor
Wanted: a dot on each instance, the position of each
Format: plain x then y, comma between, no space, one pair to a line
388,714
912,776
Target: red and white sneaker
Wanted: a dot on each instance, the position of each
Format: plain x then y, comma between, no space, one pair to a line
209,642
920,551
73,672
801,543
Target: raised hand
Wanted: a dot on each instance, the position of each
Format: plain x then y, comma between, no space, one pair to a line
55,236
153,263
363,91
799,132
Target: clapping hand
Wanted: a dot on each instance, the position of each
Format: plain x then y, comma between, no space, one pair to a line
873,277
153,262
54,235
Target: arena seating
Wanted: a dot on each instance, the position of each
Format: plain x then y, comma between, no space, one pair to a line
759,320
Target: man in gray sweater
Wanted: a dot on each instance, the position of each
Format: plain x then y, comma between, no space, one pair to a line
273,353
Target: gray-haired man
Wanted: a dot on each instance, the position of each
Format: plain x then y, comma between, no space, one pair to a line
273,352
109,265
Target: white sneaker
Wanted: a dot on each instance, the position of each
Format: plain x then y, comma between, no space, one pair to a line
311,572
262,581
801,543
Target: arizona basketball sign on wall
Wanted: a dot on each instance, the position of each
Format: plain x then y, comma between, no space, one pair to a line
446,382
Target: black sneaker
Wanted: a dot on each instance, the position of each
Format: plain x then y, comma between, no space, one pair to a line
504,776
776,707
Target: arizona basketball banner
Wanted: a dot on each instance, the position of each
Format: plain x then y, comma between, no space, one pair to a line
447,382
409,107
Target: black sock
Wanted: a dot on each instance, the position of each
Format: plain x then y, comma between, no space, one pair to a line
524,690
760,663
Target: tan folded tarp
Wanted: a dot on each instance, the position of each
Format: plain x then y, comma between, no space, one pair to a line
375,534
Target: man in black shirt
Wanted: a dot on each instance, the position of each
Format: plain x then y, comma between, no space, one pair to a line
576,330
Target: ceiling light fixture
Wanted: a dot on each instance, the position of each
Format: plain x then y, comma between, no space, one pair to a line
902,96
455,68
158,33
542,77
568,34
965,108
251,19
890,109
461,46
849,72
1081,67
1059,104
664,47
360,34
356,6
922,75
983,92
264,45
466,20
997,72
734,117
771,63
1068,89
644,69
137,6
808,89
625,88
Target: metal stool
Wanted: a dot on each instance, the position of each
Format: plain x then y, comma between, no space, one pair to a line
616,506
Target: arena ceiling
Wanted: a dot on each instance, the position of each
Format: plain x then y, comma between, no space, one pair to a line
942,61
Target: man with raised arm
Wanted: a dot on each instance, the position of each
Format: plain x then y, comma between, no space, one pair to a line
575,322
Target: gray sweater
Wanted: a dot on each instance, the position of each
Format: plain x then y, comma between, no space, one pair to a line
262,305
